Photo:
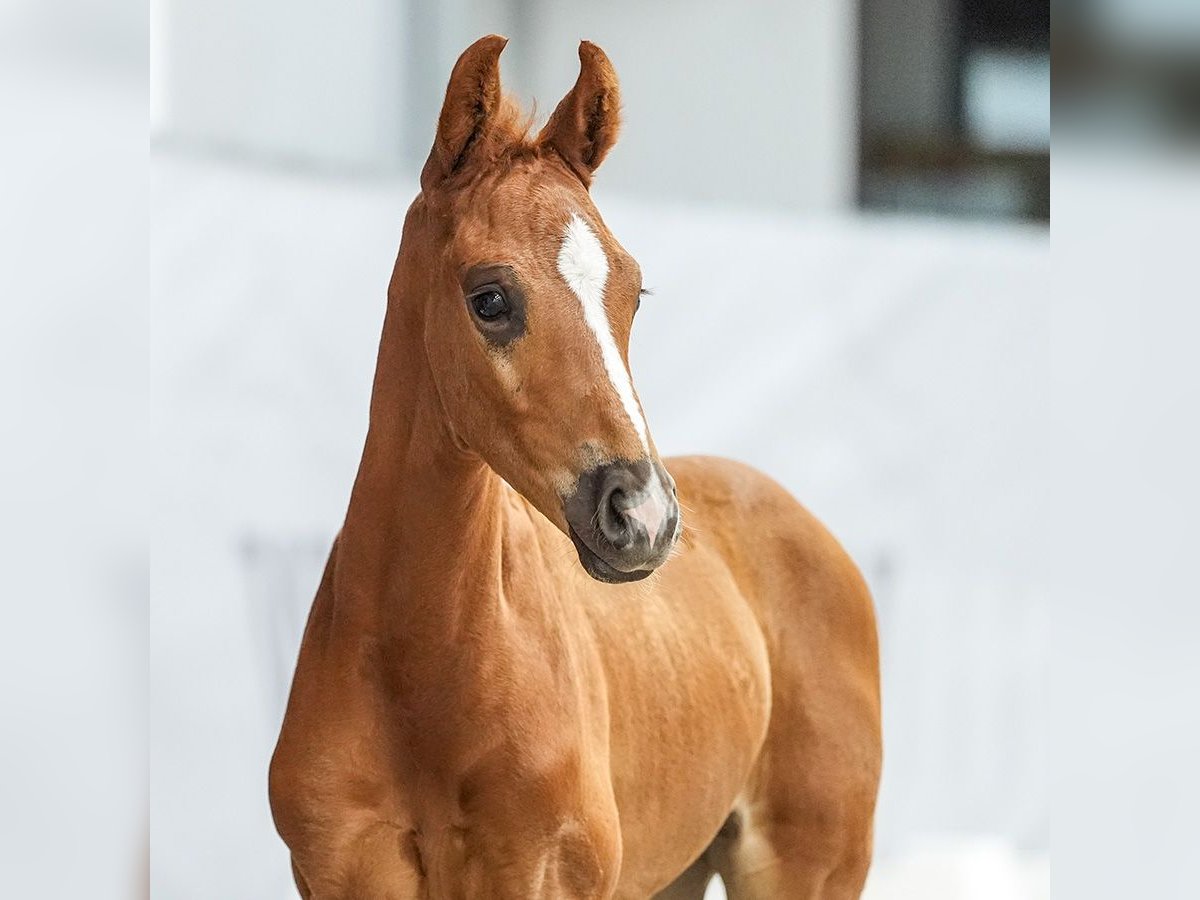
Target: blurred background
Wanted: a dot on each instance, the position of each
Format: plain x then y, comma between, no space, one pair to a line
73,449
844,205
938,106
843,209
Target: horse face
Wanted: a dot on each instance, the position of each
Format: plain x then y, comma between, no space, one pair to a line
528,328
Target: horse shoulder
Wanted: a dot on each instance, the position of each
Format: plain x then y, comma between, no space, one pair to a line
331,792
789,565
817,775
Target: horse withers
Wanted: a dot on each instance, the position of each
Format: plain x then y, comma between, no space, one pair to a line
526,674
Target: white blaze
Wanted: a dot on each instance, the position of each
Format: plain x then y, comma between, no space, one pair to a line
584,267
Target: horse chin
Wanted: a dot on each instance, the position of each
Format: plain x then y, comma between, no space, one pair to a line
598,568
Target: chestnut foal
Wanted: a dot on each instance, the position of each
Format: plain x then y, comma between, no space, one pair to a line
513,684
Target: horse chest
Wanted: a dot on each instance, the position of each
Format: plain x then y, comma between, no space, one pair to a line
497,799
689,702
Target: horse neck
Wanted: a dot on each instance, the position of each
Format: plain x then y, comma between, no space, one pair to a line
419,552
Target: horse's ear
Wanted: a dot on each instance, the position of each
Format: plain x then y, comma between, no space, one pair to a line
584,126
472,99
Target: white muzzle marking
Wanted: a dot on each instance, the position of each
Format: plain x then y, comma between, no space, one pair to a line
584,267
651,511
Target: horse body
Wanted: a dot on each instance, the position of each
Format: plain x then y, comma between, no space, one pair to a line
472,714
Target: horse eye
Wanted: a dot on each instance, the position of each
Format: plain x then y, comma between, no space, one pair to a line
489,304
642,292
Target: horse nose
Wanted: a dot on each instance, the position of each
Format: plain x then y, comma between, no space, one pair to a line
624,515
632,516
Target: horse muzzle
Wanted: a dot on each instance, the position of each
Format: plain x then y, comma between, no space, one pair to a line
623,518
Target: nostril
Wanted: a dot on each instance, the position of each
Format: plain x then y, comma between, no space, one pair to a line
614,524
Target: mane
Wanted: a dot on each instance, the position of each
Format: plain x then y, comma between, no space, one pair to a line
513,126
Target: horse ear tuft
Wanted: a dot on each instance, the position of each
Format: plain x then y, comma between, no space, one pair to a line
473,98
584,126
